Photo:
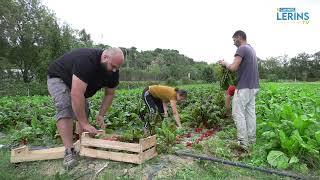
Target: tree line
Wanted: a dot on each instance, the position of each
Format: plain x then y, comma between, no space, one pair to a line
303,67
31,37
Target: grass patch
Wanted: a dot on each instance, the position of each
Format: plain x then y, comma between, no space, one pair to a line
208,170
10,171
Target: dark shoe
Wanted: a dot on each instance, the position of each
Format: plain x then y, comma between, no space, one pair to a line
243,147
70,158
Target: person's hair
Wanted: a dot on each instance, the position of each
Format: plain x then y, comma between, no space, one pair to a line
113,51
181,92
240,34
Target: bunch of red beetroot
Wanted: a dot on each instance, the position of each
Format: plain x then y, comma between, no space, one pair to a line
205,135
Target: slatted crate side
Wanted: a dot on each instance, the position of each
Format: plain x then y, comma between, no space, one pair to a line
23,153
148,146
136,153
110,155
115,145
148,142
148,154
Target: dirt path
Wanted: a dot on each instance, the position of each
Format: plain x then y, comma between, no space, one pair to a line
87,168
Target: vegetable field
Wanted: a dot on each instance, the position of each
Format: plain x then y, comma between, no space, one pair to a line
288,135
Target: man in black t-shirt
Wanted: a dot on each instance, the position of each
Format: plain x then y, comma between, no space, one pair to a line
78,75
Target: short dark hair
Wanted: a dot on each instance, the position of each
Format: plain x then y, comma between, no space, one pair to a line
181,92
241,34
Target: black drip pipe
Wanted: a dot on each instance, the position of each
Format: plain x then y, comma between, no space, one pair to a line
238,164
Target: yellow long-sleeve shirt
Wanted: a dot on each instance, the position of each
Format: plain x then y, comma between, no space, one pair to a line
165,93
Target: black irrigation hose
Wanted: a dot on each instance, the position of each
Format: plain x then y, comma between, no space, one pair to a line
270,171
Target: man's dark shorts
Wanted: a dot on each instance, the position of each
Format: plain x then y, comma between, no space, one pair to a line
60,93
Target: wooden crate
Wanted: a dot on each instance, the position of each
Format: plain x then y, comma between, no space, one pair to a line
23,153
136,153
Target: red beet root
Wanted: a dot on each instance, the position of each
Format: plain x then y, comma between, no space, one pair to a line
188,135
189,144
198,130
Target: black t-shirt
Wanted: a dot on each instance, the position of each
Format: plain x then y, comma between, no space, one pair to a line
86,65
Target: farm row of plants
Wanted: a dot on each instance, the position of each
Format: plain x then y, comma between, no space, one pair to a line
288,117
288,124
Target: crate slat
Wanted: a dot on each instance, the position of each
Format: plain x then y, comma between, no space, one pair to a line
23,153
148,142
149,154
116,145
148,145
109,155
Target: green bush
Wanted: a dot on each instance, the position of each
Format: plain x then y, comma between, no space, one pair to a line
11,87
272,78
171,82
187,81
136,84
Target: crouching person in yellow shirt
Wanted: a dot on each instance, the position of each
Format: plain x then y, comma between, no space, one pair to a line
157,98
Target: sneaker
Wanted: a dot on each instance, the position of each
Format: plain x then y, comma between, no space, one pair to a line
252,140
243,147
70,160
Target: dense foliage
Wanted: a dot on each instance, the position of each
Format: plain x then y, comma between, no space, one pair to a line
287,121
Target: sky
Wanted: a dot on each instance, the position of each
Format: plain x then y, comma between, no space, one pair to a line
199,29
